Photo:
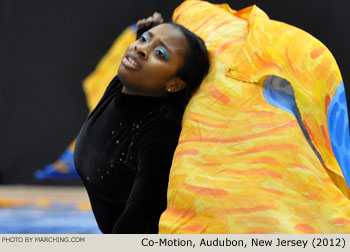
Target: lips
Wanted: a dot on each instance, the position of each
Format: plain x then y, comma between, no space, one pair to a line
131,62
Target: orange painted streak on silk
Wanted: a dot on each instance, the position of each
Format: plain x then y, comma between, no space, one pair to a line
225,45
317,52
272,191
185,8
264,125
208,124
289,61
242,138
267,64
194,228
326,104
300,166
327,180
265,160
246,209
305,228
309,131
187,152
204,22
205,190
222,48
340,221
314,196
328,143
259,113
218,95
267,148
181,213
222,24
211,164
257,172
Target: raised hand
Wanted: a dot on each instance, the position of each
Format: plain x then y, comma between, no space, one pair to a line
147,23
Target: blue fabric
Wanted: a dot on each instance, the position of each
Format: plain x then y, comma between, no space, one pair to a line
338,127
51,172
279,93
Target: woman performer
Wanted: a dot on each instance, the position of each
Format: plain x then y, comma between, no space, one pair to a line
125,148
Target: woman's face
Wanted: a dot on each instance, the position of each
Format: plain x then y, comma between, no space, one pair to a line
150,63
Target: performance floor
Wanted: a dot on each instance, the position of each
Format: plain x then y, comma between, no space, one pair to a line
45,210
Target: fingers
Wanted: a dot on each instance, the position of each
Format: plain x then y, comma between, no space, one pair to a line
145,22
157,17
140,23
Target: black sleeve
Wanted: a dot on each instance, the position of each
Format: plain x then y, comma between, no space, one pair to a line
148,197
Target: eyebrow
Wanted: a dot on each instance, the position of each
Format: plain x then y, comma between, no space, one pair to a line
160,41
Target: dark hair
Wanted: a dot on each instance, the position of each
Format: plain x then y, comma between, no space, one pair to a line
196,63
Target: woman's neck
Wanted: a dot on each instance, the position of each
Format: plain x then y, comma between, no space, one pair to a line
138,92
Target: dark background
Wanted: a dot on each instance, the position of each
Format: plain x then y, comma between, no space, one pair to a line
48,47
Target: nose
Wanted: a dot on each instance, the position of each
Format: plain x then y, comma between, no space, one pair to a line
141,51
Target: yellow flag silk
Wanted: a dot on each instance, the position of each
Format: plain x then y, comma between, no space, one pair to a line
266,135
255,153
96,83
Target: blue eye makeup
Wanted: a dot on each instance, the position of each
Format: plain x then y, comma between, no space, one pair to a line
144,38
162,52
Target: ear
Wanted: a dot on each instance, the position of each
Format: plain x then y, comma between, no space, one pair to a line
175,85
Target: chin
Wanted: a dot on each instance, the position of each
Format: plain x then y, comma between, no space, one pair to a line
127,81
124,76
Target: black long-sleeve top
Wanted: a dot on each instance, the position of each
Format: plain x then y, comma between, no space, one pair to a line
123,155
